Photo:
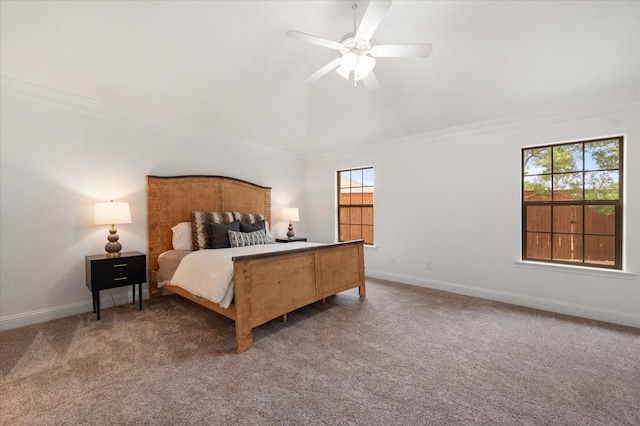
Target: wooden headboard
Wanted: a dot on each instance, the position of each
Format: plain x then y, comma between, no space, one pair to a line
170,200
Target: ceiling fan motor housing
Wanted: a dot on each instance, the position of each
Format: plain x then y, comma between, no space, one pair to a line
352,44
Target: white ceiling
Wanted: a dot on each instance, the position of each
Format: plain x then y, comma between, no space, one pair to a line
226,68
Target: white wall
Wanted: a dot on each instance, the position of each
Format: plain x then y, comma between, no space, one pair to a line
60,155
453,198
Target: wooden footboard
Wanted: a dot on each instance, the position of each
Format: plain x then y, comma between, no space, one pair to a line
267,286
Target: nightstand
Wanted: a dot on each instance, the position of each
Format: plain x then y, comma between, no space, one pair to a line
104,272
287,240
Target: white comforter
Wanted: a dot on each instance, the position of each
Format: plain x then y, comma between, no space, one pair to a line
209,273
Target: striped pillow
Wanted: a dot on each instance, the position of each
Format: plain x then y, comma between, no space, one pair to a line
249,218
200,235
244,239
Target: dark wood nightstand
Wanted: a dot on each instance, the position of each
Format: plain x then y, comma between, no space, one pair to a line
109,272
287,240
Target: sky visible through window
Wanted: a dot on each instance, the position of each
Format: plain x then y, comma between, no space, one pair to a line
364,177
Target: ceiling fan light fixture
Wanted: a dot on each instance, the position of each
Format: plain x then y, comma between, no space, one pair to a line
343,71
349,60
365,65
360,64
348,64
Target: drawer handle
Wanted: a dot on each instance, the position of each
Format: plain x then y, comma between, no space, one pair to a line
119,265
120,279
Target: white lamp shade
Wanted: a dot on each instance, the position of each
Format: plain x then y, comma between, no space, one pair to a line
365,66
348,64
112,213
290,214
343,71
349,61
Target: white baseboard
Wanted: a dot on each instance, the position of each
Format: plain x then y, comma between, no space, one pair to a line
110,300
107,300
589,312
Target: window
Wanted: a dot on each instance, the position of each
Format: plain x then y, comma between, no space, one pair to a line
572,203
355,205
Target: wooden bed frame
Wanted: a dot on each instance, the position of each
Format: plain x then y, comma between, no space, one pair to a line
266,286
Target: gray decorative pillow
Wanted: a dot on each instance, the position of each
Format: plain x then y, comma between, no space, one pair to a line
245,227
220,235
200,235
244,239
249,218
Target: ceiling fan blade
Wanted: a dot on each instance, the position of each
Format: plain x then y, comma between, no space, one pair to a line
297,35
402,50
370,81
322,71
372,17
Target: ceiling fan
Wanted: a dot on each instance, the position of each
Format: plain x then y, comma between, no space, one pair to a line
358,55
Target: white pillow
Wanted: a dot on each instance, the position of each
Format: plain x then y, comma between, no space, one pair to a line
269,236
182,236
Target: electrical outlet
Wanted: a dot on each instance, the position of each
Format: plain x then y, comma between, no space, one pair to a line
427,265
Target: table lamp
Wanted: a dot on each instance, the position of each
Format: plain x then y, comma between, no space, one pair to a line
291,214
112,214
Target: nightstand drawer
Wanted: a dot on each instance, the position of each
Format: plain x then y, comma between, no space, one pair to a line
103,282
117,265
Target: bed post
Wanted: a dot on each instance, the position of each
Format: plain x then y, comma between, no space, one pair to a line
242,297
361,288
154,291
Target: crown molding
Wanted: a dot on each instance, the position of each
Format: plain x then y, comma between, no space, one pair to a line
93,107
561,114
548,116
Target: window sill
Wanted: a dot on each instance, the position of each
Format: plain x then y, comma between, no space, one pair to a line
584,270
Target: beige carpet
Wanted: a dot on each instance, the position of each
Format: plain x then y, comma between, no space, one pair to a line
402,356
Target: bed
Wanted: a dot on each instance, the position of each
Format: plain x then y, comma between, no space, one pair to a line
266,285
